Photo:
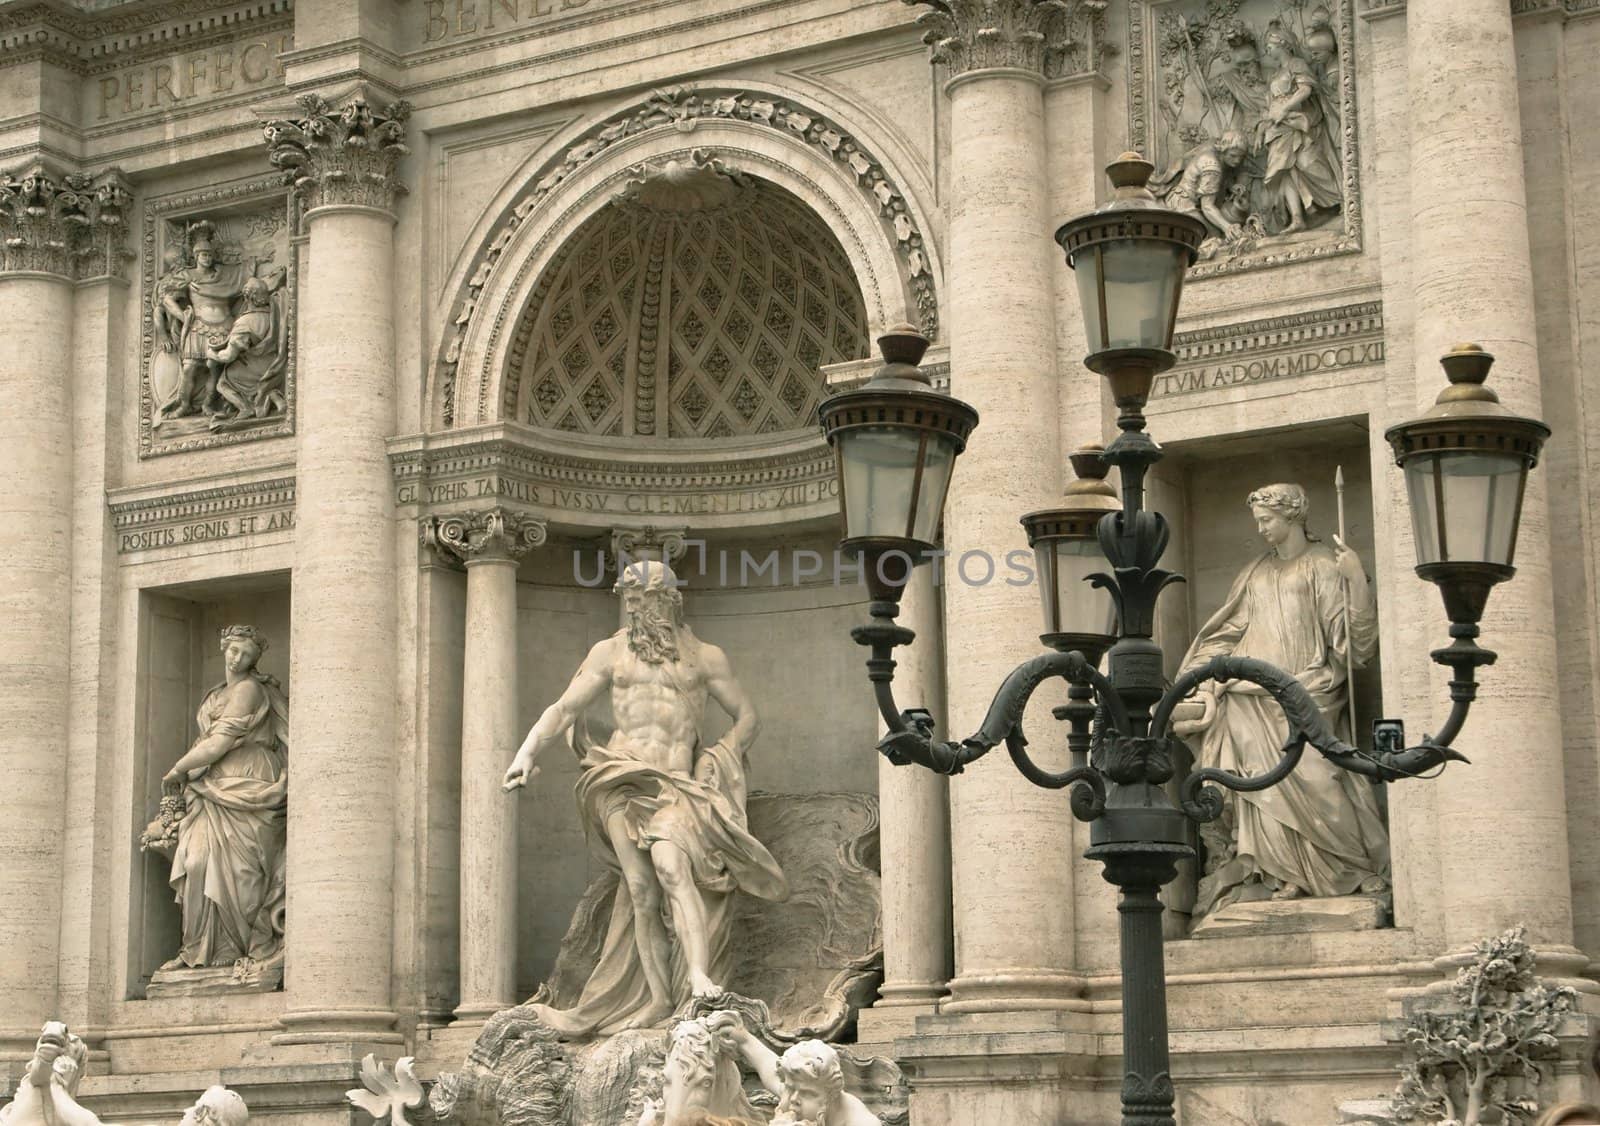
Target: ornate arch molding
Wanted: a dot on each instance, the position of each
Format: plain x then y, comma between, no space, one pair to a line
756,132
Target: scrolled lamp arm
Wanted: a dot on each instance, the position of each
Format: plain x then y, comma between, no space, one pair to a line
910,735
1306,725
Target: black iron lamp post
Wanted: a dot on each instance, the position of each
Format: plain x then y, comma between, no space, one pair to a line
1466,464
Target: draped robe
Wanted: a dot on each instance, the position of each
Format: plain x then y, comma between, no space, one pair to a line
1318,829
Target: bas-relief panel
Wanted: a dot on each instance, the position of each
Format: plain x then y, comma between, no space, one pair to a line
1247,109
217,300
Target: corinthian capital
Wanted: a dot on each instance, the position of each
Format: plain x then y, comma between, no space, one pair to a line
489,534
977,34
341,154
73,224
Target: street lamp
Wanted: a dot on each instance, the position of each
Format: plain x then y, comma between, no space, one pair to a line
1465,461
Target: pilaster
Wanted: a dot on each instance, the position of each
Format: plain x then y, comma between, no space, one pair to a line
490,542
1011,843
340,157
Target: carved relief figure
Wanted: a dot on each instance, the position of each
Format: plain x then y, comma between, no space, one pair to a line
1302,161
47,1092
220,328
223,821
1306,608
665,812
1252,87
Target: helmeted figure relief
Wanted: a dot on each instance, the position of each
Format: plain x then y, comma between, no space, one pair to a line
1248,125
223,821
47,1092
1306,608
221,321
665,812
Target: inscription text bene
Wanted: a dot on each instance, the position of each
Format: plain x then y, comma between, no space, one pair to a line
201,531
1266,370
457,19
651,504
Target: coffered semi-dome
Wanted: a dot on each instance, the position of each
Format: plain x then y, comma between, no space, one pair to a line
699,303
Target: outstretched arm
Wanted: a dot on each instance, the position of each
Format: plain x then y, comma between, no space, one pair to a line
592,678
725,690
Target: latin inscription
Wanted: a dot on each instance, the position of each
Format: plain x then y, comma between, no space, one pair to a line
187,78
459,19
1267,370
632,504
204,531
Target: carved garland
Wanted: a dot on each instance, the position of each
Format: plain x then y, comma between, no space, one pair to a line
1140,77
680,107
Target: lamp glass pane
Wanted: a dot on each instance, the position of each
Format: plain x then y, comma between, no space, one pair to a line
1464,506
1070,604
1141,282
937,466
879,469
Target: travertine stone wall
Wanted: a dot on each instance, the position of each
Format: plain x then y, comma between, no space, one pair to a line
35,622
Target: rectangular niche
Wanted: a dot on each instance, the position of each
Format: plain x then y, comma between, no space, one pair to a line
1202,487
245,303
179,660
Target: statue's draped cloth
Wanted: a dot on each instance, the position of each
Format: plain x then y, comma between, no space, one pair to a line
1319,828
703,815
227,868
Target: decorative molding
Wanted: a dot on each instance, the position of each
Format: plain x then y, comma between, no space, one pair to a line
595,483
491,534
631,545
72,224
1053,38
1165,47
92,42
342,155
1274,348
681,108
183,518
253,205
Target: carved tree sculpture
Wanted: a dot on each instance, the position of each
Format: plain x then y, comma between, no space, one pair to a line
1476,1065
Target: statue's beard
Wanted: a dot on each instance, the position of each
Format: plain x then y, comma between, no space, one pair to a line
652,635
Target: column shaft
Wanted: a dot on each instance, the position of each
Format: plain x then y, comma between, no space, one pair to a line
915,831
341,748
35,628
1472,280
488,816
1011,843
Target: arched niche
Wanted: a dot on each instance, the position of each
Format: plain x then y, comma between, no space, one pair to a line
777,141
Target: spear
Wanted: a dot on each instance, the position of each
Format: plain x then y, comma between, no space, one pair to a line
1350,666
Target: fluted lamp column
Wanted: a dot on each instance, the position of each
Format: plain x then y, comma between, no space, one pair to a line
491,543
342,161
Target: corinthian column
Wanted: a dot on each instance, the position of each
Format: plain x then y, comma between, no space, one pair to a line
1472,280
340,926
491,543
1010,841
47,234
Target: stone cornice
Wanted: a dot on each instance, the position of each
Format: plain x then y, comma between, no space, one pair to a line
341,153
1052,38
149,518
88,42
596,483
71,224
